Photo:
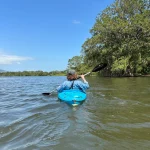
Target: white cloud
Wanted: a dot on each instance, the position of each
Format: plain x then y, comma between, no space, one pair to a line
10,59
76,22
18,63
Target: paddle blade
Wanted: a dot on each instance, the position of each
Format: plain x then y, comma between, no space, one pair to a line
46,93
99,67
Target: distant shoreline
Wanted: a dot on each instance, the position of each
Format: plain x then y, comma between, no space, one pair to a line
65,75
148,75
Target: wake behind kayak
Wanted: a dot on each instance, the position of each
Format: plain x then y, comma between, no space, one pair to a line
72,97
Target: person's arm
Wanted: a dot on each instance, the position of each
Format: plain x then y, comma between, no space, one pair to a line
83,78
61,87
83,85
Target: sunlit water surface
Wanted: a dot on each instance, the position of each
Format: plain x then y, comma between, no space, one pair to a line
115,115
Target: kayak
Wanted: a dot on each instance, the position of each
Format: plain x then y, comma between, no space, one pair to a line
72,97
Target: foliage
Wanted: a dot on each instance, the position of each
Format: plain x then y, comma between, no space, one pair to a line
120,38
33,73
74,62
77,63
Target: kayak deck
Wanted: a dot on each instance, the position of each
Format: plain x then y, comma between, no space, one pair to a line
72,97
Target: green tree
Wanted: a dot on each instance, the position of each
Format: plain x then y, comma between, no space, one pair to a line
77,63
120,38
74,62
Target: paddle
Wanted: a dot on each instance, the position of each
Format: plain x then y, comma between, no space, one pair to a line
95,69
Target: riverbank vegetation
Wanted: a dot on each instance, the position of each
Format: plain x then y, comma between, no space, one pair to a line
120,37
33,73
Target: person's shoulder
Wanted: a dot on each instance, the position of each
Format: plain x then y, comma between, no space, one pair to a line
78,81
65,82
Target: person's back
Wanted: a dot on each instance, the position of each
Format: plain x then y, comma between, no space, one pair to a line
73,83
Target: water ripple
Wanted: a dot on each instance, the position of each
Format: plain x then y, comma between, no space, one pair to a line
114,116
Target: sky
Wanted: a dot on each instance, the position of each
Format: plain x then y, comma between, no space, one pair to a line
44,34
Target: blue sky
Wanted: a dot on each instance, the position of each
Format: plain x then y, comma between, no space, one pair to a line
44,34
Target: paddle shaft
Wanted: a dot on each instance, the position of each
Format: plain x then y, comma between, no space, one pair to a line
87,74
97,68
58,86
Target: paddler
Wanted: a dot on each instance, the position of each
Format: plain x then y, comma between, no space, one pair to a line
72,82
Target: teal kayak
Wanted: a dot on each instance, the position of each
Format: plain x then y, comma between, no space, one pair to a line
72,97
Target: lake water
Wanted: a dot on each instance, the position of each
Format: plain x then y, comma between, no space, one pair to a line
115,115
